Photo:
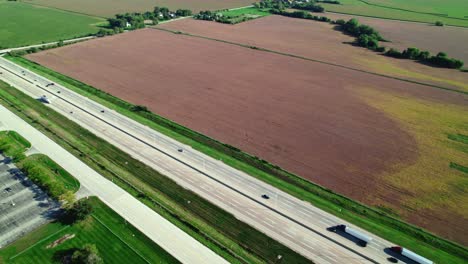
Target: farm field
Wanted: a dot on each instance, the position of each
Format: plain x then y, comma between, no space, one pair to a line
451,12
307,38
313,125
108,8
116,241
24,24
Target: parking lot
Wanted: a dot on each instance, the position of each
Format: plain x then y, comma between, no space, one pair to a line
23,205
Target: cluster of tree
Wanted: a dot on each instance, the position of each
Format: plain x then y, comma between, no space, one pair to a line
137,20
309,6
77,211
366,36
273,4
439,60
329,2
88,254
300,14
216,16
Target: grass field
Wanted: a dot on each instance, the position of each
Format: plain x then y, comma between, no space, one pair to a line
24,24
52,169
116,240
217,229
13,144
437,180
372,220
244,14
451,12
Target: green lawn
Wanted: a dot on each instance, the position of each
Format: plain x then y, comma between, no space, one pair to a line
451,12
244,14
116,240
24,24
13,144
373,220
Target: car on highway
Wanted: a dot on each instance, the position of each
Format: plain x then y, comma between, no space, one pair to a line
265,196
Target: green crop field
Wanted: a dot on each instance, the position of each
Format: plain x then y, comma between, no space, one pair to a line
451,12
116,240
246,11
24,24
244,14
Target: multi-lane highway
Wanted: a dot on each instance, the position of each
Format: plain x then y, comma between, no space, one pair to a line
295,223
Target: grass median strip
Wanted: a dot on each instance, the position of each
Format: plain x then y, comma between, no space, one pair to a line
373,220
217,229
13,144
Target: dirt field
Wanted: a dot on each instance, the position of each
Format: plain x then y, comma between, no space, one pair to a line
451,40
319,41
301,115
108,8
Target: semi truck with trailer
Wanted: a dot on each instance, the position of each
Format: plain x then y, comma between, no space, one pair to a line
363,238
411,255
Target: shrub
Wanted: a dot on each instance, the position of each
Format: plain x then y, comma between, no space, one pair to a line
78,211
411,53
439,23
394,53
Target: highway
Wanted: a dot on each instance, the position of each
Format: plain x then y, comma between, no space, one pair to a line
293,222
168,236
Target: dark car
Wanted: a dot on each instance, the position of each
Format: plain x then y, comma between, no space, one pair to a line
8,189
265,196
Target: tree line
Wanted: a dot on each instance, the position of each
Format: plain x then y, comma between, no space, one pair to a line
311,5
131,21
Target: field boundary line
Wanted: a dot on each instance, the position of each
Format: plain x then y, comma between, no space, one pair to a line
412,11
110,230
63,10
391,19
38,242
309,59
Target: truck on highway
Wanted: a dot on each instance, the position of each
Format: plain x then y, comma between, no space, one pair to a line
363,238
411,255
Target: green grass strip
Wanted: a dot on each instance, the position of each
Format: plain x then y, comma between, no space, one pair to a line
459,167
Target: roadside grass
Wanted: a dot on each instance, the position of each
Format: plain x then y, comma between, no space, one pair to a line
371,219
436,180
116,240
52,171
13,144
24,24
428,11
212,226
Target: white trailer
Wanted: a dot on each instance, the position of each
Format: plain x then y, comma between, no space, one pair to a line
411,255
363,238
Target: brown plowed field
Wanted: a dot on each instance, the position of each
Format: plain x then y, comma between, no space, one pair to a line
452,40
301,115
108,8
318,40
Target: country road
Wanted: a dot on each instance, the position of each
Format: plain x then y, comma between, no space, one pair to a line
46,44
295,223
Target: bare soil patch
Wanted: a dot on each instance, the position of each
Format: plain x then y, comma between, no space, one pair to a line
318,40
301,115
